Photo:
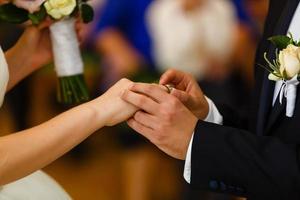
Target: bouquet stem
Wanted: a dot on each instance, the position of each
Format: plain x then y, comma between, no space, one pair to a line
72,88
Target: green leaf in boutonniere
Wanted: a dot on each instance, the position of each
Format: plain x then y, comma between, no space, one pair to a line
12,14
87,13
37,17
281,41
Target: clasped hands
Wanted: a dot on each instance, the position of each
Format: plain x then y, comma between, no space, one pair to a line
166,119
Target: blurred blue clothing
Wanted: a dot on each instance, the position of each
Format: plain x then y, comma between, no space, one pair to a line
242,13
245,17
128,16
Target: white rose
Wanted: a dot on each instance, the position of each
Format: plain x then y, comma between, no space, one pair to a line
289,60
60,8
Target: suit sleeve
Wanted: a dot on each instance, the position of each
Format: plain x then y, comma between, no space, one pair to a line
236,118
237,162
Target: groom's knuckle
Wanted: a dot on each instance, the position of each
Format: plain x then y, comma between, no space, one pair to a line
171,110
141,101
164,112
173,102
135,125
153,87
125,94
133,86
168,113
147,89
138,115
131,124
168,117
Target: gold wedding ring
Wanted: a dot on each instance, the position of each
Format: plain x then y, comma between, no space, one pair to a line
169,88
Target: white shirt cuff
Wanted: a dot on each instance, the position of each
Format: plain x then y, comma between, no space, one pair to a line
213,116
188,163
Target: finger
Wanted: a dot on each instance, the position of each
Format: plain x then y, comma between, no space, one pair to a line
181,95
171,76
141,129
45,24
141,101
164,88
151,90
145,119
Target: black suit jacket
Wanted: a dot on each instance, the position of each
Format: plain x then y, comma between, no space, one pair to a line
257,156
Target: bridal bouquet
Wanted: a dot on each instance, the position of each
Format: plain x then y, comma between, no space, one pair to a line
67,58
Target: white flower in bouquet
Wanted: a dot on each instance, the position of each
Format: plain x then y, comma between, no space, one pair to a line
60,8
30,5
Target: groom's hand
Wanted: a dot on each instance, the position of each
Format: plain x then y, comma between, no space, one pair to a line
163,119
187,91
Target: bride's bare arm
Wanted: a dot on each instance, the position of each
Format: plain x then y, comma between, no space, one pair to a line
27,151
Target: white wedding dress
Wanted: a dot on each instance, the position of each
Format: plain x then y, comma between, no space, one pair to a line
37,186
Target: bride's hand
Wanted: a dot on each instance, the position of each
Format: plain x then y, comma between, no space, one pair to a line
111,107
34,47
32,51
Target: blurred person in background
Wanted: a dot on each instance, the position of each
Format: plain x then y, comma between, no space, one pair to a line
185,32
123,38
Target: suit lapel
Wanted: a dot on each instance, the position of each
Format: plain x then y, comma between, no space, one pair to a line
268,86
275,113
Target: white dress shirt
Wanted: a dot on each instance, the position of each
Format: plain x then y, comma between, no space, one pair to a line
214,115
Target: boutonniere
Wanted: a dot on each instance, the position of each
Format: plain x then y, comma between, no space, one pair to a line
285,68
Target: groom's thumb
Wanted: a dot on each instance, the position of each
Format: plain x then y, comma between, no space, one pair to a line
181,95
